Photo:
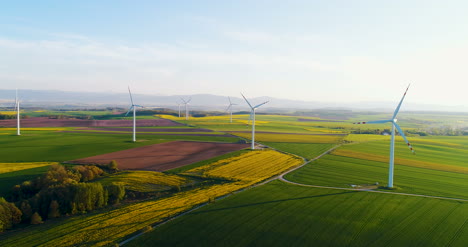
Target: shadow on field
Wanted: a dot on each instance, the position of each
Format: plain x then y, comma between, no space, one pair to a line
275,201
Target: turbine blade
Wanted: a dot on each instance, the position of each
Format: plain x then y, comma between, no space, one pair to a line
189,100
404,137
129,110
399,105
131,98
183,100
230,100
247,101
374,122
257,106
227,109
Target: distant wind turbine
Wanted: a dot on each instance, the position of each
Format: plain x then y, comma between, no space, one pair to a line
133,107
230,108
253,108
186,107
17,108
179,108
392,141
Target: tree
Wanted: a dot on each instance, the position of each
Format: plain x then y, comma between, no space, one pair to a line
26,209
54,209
36,219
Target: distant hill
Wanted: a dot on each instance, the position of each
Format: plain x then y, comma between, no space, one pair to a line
50,98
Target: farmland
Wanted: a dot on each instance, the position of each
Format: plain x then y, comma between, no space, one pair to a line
279,214
118,223
273,214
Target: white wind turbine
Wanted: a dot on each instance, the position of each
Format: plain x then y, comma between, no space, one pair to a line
229,108
392,140
17,109
186,107
178,103
253,108
133,107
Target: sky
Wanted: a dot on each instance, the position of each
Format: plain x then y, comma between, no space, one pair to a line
330,51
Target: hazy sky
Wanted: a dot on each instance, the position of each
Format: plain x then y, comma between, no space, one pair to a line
309,50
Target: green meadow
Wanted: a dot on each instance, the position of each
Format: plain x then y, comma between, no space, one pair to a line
280,214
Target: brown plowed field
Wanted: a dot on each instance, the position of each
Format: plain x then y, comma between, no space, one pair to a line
164,156
47,122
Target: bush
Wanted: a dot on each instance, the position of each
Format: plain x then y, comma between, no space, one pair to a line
36,219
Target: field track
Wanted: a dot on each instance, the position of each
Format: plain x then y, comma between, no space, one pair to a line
164,156
47,122
281,177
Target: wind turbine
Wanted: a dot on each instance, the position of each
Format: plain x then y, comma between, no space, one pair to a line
186,108
252,112
392,140
230,107
17,108
179,108
133,107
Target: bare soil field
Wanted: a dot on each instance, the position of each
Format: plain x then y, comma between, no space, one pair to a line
164,156
48,122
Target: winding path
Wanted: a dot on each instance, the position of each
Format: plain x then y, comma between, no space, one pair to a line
281,177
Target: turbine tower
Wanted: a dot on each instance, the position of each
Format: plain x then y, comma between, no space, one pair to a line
230,108
17,108
186,107
179,108
252,113
133,107
392,140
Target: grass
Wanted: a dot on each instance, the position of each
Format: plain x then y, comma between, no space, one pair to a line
298,138
306,150
279,214
339,171
39,146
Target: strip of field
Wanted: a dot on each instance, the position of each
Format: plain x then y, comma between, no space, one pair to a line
280,214
297,138
147,129
12,167
165,156
146,181
401,161
340,171
105,228
306,150
48,122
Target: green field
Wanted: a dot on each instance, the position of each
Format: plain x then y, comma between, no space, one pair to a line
279,214
306,150
35,146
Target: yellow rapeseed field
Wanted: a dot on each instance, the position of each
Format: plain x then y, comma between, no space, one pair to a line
145,181
251,167
7,112
11,167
